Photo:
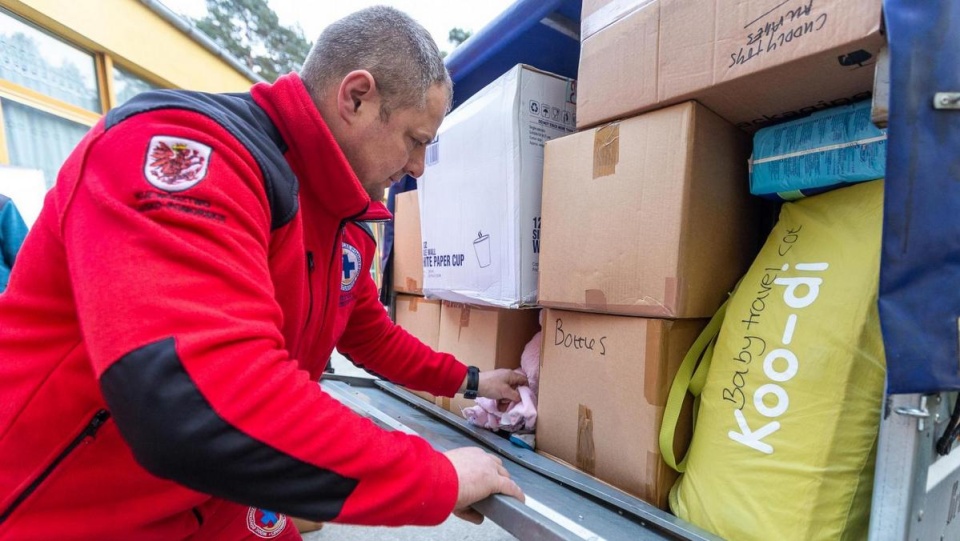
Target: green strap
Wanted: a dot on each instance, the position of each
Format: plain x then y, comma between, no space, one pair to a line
691,376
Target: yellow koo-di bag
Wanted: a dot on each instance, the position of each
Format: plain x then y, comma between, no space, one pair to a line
790,390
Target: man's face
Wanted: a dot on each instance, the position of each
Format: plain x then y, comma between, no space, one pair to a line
388,150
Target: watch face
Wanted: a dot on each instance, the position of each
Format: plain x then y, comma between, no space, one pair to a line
473,382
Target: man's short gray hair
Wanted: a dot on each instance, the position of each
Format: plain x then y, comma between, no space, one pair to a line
400,54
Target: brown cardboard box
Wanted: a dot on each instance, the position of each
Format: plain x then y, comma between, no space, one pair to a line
604,382
485,337
647,217
753,62
421,318
619,48
407,246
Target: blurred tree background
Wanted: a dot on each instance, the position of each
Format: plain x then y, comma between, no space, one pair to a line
251,31
456,37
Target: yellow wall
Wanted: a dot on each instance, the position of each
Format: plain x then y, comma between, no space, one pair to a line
137,38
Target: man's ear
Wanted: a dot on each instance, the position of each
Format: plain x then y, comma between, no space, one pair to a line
357,96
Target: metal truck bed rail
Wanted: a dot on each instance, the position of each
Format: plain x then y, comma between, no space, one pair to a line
562,503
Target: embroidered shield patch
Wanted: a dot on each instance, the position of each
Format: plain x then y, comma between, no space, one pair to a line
265,524
352,263
174,164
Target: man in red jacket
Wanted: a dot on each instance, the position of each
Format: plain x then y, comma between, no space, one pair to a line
173,307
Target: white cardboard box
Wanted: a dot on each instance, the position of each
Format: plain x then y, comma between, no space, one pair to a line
480,193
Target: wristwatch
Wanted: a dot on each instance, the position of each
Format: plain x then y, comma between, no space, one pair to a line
473,382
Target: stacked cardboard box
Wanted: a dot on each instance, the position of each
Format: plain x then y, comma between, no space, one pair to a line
484,336
647,219
421,318
417,315
753,62
604,383
407,246
648,224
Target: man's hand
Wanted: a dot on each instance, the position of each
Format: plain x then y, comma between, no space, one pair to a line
480,474
501,384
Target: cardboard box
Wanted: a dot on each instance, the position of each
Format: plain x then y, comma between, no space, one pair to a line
604,382
421,318
488,338
753,62
647,217
407,247
599,14
619,58
480,194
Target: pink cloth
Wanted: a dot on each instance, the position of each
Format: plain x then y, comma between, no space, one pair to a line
515,416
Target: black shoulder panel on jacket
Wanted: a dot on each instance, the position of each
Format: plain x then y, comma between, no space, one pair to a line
367,229
243,118
175,434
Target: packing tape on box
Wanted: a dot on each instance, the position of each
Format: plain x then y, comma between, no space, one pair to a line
609,14
413,304
586,451
654,390
464,320
412,285
595,299
606,150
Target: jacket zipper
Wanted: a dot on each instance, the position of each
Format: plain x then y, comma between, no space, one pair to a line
311,265
89,431
337,250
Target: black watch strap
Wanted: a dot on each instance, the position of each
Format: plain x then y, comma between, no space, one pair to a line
473,382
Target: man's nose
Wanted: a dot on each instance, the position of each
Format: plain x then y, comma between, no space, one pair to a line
415,165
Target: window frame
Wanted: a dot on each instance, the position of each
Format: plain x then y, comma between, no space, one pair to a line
106,88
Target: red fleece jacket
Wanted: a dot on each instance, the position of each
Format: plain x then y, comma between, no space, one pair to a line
170,313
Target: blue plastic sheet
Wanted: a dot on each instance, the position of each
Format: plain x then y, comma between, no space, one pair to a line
920,264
